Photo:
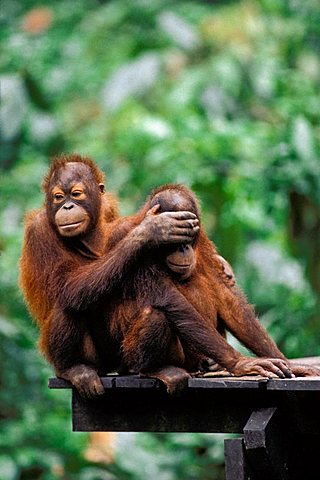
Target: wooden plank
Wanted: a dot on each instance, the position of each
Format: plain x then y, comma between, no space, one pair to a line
228,382
135,381
311,384
307,384
236,464
55,382
255,429
58,383
152,409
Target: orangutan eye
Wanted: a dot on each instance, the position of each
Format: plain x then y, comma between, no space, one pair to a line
58,197
77,194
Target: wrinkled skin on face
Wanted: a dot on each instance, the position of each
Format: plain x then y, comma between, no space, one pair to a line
73,200
182,261
71,219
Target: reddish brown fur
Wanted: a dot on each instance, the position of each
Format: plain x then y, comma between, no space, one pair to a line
42,260
72,289
59,162
65,279
174,331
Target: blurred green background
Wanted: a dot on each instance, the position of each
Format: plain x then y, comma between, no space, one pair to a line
222,96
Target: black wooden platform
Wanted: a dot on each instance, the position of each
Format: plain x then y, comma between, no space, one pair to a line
279,420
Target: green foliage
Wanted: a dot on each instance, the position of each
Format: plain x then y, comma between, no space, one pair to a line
223,97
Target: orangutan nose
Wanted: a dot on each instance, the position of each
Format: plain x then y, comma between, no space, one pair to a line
68,206
183,248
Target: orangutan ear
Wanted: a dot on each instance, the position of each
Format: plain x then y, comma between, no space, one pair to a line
153,210
101,187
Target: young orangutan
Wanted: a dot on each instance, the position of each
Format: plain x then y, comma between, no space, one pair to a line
164,336
65,266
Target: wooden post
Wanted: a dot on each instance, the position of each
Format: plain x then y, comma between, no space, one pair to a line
236,462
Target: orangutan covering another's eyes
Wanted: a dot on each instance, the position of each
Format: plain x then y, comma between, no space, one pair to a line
65,267
146,293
